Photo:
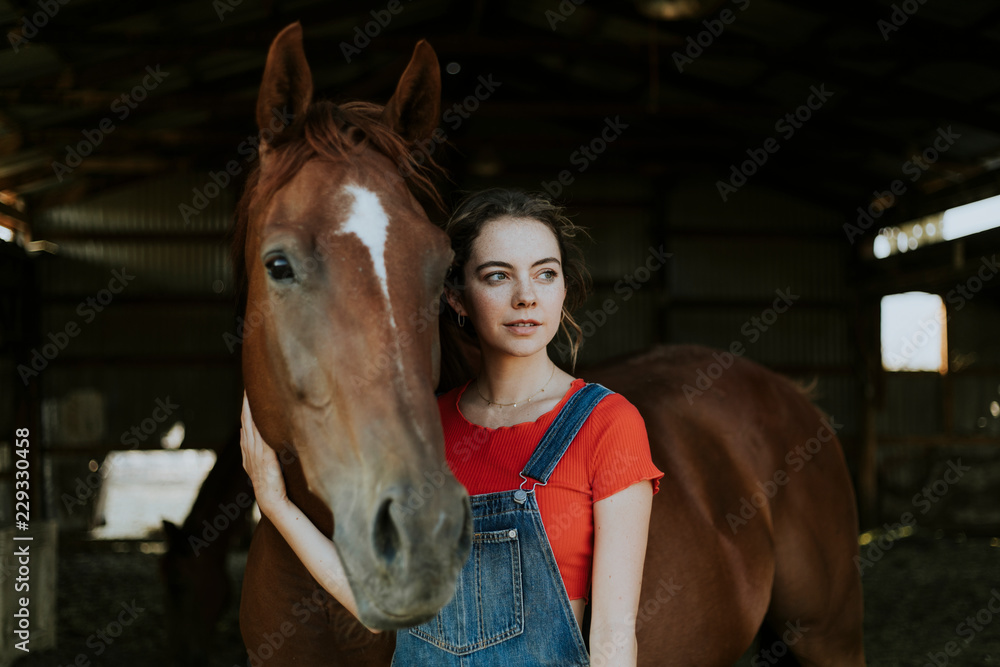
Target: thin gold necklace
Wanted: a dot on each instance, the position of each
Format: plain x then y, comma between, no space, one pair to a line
490,403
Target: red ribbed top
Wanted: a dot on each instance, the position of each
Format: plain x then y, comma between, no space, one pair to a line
610,453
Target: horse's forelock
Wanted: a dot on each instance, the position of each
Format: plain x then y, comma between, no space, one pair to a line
332,132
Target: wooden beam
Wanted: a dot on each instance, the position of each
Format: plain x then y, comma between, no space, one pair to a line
11,212
105,236
24,161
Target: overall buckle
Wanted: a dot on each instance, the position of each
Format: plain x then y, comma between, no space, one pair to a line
520,496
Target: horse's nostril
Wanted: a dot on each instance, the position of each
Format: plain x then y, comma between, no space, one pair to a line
386,534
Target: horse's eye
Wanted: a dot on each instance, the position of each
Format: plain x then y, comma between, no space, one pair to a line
279,269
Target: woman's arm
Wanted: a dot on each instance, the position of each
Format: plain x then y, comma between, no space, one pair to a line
316,551
621,526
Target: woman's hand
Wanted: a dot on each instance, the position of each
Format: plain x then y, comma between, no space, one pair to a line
621,529
261,463
316,551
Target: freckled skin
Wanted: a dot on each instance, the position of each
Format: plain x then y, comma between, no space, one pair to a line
530,287
514,272
496,295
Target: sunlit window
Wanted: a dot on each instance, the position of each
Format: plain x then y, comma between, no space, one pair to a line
13,206
141,488
971,218
945,226
914,332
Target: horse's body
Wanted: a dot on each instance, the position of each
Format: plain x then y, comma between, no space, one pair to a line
755,521
733,544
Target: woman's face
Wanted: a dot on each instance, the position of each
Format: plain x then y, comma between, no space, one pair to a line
514,286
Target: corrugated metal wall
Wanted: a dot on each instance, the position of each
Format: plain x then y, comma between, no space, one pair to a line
738,263
160,338
974,346
151,295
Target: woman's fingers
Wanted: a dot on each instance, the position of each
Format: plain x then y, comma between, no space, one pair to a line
254,442
247,439
250,440
259,460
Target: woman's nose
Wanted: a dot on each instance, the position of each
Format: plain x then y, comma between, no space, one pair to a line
524,294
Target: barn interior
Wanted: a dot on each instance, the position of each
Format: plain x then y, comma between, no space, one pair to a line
812,172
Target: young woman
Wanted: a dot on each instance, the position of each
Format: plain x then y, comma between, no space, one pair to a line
559,471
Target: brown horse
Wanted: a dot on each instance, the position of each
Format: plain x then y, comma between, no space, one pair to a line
755,522
340,358
754,526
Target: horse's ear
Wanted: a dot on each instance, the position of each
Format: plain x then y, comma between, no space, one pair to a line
414,109
287,89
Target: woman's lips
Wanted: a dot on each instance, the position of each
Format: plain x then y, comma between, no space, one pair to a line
523,327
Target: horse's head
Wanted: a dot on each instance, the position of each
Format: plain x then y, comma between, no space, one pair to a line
340,342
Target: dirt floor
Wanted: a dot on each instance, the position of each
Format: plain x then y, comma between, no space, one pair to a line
918,594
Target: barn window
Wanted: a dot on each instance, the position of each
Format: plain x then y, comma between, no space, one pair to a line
143,487
11,215
914,332
945,226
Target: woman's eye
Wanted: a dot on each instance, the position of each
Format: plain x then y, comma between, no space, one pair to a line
495,277
279,269
548,274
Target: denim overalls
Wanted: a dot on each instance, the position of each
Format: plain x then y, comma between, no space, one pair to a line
510,607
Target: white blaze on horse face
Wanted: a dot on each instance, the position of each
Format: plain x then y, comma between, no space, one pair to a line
369,223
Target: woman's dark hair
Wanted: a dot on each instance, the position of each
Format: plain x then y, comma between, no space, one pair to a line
479,208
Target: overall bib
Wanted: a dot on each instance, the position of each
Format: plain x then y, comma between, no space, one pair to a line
510,607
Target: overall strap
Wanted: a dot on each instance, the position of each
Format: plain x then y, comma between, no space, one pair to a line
561,432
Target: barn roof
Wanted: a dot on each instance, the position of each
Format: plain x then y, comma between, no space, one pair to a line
698,97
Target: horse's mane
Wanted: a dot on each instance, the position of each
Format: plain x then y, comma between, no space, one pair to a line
331,132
